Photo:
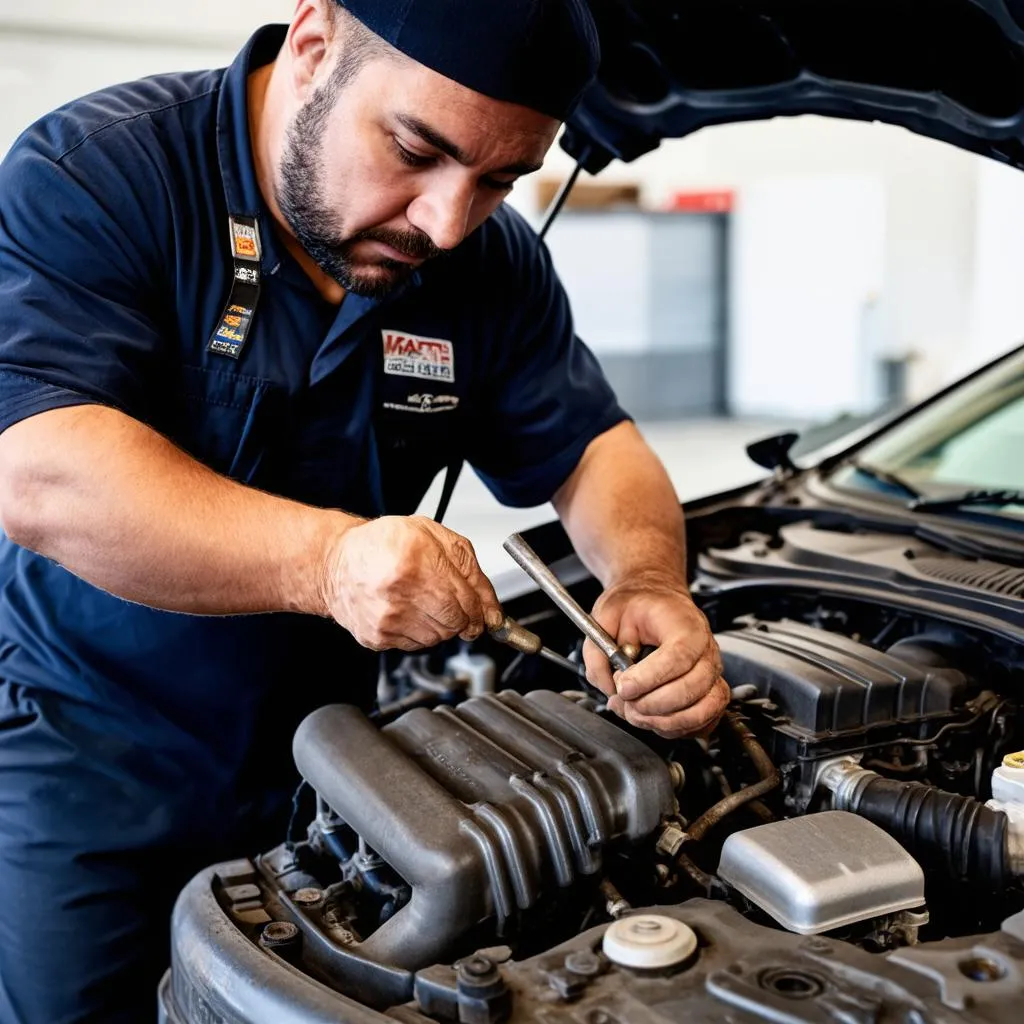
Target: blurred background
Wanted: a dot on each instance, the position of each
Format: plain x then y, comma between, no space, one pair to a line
805,272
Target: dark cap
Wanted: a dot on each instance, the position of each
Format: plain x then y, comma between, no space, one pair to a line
538,53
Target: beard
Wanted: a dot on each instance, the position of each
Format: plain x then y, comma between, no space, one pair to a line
300,197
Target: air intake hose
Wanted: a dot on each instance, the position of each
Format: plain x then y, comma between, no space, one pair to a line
957,834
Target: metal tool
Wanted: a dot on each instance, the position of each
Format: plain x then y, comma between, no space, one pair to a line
527,559
521,639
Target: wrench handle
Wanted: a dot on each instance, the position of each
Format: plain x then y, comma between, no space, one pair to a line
526,558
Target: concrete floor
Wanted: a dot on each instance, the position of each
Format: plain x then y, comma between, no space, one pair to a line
702,457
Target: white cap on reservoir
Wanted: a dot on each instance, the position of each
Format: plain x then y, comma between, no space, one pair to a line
649,942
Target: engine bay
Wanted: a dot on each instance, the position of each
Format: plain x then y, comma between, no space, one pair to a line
493,844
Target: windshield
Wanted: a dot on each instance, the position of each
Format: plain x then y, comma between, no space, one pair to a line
972,439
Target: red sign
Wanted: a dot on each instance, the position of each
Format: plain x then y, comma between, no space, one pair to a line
719,201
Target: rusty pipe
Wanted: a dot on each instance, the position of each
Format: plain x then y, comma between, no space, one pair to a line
770,779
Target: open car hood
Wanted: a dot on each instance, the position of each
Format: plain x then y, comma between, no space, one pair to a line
949,69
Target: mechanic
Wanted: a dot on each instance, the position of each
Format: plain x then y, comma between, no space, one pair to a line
246,317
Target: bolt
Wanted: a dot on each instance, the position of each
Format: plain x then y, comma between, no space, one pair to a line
982,969
477,971
308,897
478,966
584,963
569,986
662,874
278,933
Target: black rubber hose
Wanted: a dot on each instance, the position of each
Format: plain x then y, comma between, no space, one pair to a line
944,830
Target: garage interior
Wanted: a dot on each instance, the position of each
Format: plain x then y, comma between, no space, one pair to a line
815,322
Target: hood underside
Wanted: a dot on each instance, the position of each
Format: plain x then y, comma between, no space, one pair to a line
949,69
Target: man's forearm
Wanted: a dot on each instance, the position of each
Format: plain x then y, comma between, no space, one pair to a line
621,511
119,505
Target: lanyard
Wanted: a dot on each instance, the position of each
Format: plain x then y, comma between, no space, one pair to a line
236,320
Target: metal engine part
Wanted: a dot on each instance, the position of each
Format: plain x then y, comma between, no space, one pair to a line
741,971
822,872
481,808
827,686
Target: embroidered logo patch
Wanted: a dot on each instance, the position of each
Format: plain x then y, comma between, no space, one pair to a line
425,403
408,355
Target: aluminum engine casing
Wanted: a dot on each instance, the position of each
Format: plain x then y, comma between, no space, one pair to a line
481,808
822,871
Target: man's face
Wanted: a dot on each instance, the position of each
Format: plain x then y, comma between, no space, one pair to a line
398,166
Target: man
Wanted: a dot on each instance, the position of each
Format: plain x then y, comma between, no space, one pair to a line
245,318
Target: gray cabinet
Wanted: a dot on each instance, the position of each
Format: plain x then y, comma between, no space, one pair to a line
648,292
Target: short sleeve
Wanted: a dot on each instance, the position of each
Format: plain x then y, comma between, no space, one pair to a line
78,293
547,397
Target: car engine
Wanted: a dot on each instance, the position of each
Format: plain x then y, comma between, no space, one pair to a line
847,846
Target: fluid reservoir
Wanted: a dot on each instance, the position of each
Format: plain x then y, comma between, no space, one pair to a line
1008,780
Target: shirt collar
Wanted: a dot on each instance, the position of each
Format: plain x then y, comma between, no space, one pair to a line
234,143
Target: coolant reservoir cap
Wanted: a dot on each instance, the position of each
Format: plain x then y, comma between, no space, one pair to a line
649,942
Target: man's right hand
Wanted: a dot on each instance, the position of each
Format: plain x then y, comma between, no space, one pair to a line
406,582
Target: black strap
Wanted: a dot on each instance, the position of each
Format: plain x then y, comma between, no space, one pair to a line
236,320
451,478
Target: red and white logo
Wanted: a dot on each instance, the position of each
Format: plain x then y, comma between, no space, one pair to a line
408,355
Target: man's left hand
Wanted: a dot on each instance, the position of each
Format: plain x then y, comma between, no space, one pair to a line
678,689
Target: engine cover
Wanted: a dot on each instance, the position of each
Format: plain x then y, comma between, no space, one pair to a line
826,686
481,808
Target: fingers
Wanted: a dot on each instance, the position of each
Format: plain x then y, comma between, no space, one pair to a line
444,587
700,717
408,583
681,692
460,610
599,671
463,557
669,662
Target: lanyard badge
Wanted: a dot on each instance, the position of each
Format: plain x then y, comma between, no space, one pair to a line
232,330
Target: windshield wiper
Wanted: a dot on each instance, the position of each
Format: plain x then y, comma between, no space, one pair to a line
883,476
969,499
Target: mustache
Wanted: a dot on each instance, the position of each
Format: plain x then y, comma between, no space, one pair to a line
413,244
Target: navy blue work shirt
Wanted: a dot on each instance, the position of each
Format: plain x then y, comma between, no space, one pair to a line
115,268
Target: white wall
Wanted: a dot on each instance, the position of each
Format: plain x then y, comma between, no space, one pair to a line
997,295
39,73
52,51
807,270
926,304
201,22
